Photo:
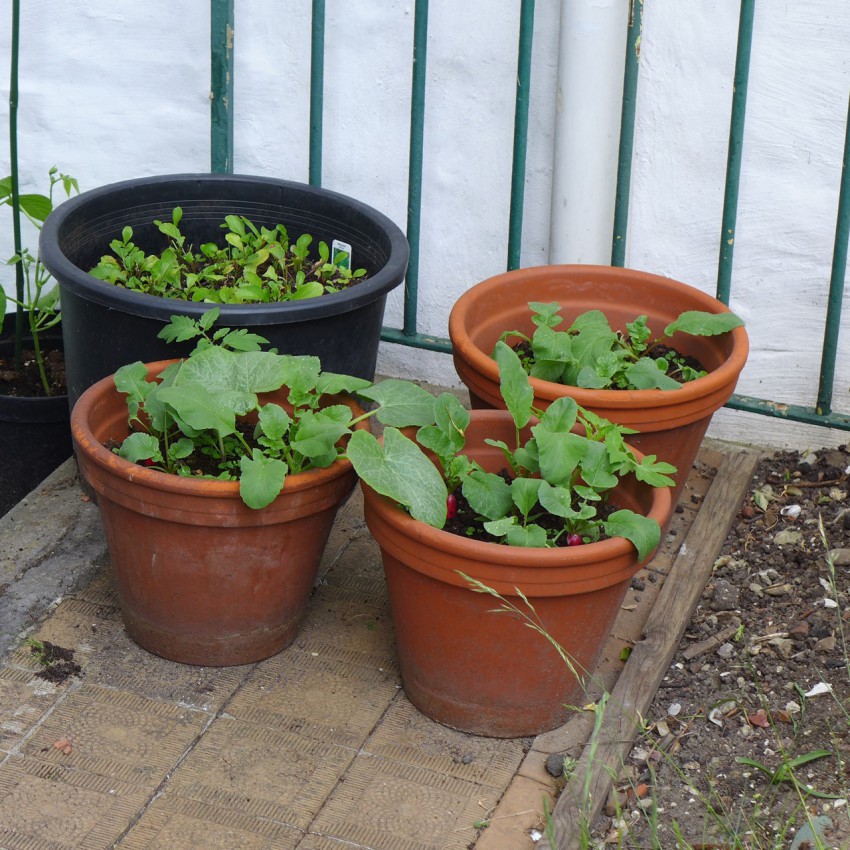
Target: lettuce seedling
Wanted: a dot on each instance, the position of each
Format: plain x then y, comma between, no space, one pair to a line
590,354
255,265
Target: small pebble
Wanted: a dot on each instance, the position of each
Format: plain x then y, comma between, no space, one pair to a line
555,764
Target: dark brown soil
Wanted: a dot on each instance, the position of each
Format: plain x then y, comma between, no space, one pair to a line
58,661
762,674
26,383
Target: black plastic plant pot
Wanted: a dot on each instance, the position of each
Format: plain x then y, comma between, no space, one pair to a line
107,326
35,432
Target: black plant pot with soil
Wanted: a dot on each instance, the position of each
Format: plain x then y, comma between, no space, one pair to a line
35,433
106,326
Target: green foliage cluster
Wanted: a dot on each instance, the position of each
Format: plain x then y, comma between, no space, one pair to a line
592,355
256,265
559,471
40,300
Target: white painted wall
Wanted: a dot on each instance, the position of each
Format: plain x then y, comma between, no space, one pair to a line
121,89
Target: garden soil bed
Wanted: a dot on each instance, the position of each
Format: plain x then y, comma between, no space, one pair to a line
751,723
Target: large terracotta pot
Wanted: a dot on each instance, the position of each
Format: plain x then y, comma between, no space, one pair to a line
484,672
201,577
671,423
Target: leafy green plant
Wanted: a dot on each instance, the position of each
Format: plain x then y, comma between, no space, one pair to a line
203,415
38,299
256,265
592,355
557,473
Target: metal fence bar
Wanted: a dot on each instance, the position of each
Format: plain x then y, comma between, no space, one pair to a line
20,323
791,412
317,91
627,134
221,86
523,91
836,283
734,155
414,185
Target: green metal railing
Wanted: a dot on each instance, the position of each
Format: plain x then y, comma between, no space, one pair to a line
222,160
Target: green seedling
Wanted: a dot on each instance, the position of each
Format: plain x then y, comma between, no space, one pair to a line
786,772
557,472
195,410
37,297
255,265
592,355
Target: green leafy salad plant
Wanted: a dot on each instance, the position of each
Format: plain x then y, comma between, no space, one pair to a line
256,265
592,355
558,480
191,419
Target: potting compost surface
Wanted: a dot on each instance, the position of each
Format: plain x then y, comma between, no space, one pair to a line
316,748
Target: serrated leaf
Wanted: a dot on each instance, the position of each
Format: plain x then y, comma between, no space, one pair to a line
545,314
488,494
261,479
513,384
701,323
179,329
654,472
243,340
400,470
644,533
319,432
402,403
332,384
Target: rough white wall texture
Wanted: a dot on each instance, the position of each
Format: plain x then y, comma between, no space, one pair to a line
121,89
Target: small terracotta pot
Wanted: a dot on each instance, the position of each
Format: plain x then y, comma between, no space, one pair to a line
201,577
488,673
671,423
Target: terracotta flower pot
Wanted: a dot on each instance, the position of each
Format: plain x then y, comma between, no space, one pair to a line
671,423
484,672
201,577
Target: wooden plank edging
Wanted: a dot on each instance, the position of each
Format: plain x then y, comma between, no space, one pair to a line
584,795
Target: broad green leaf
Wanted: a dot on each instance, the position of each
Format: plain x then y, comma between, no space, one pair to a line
527,457
259,372
399,470
331,383
529,536
36,206
513,384
645,375
180,449
261,479
559,453
443,444
593,337
545,313
300,373
556,500
243,340
318,433
274,421
140,446
499,527
547,370
561,415
596,470
589,379
311,289
700,323
132,380
524,492
212,368
488,494
200,408
644,533
552,345
451,415
402,403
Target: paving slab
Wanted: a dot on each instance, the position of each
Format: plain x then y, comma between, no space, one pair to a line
314,749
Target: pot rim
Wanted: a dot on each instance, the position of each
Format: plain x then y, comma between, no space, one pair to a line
724,376
81,283
87,442
502,555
